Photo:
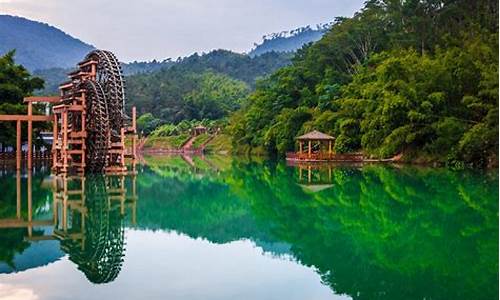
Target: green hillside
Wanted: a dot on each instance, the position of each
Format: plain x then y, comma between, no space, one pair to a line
412,77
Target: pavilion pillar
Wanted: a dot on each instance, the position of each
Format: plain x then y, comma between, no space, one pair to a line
30,134
309,174
18,145
309,149
301,144
329,148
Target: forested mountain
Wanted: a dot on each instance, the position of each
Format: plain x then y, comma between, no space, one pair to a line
38,45
413,77
289,41
138,67
208,86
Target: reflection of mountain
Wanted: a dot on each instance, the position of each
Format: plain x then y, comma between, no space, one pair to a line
378,232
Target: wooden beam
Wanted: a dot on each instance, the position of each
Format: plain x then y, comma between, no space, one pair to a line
52,99
15,223
34,118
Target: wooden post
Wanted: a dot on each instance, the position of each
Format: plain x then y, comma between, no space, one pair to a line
64,141
309,149
122,133
134,121
30,134
54,199
329,148
18,194
134,137
18,145
30,205
300,146
65,202
55,138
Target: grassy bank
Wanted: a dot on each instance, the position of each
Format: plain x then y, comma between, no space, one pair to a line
166,143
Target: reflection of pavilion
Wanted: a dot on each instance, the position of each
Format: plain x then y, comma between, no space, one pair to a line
312,177
88,220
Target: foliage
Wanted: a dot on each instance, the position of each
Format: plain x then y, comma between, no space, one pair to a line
221,143
174,95
146,123
416,77
200,140
15,84
209,86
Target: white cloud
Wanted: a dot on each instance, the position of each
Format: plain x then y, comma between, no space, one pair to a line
12,292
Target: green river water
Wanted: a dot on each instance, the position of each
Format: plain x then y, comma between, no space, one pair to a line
228,228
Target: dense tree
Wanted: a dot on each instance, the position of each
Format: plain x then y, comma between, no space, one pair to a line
186,95
412,77
15,84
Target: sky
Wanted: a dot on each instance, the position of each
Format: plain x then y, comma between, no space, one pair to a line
158,29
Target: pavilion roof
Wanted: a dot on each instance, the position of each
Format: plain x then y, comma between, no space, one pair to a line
315,136
315,188
200,127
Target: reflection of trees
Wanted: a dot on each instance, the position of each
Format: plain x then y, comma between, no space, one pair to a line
91,228
377,233
386,233
15,223
199,207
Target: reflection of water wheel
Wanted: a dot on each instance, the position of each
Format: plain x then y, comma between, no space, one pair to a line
101,256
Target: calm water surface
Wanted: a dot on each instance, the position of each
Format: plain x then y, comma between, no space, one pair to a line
222,228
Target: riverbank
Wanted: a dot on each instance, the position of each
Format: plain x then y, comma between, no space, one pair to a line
220,143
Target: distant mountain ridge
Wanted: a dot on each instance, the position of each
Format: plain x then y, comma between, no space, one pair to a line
290,41
39,45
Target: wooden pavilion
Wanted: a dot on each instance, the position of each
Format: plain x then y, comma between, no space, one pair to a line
198,130
315,145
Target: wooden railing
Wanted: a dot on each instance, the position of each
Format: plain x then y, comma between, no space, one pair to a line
35,155
325,156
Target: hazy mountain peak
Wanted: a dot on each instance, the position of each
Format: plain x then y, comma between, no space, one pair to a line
39,45
290,40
